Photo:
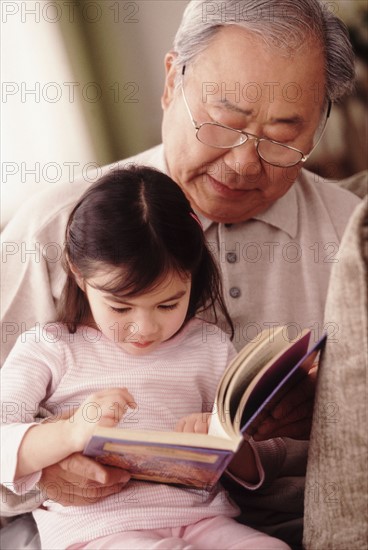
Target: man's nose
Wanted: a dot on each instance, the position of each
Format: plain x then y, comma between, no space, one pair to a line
244,160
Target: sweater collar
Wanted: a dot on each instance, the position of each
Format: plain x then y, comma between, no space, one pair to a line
282,214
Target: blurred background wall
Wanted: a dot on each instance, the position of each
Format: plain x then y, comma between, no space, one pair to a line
81,87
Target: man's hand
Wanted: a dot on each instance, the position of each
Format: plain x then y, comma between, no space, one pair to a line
292,416
79,481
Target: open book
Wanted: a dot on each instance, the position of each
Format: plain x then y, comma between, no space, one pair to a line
253,383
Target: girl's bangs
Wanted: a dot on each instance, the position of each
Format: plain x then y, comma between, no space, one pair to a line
131,281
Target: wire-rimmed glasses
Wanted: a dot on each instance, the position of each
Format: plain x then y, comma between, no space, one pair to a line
273,152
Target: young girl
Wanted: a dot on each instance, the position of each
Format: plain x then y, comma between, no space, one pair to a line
128,339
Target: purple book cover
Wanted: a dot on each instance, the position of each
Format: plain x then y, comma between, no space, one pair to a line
163,463
284,374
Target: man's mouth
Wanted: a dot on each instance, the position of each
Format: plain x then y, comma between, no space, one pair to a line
225,190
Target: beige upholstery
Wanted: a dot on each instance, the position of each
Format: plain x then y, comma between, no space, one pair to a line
357,184
336,494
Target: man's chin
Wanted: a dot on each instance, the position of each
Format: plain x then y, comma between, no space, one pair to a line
229,211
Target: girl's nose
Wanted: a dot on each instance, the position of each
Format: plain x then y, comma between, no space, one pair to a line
147,325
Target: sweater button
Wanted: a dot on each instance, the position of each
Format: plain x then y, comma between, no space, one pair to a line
235,292
231,257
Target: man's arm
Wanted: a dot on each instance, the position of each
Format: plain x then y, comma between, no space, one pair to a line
75,481
31,269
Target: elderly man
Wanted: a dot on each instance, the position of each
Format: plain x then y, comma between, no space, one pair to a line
249,86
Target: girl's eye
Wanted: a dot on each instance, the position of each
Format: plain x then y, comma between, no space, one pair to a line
119,309
168,307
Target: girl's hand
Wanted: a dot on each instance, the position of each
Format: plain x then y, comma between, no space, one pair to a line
50,442
103,408
194,423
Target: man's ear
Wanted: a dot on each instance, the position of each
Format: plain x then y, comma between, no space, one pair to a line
169,87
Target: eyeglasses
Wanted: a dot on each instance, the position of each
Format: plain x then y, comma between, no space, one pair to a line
221,136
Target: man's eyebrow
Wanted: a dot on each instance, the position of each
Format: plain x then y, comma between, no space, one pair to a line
293,119
232,107
121,300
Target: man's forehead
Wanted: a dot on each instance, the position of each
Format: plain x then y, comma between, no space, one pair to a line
249,112
236,59
290,95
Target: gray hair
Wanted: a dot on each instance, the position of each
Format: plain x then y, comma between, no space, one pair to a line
285,24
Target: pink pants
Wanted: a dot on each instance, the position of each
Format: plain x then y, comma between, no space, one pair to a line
217,533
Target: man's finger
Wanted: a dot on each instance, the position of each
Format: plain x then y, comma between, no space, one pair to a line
87,468
303,412
296,397
296,430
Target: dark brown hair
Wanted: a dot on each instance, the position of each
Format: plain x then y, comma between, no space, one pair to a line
137,219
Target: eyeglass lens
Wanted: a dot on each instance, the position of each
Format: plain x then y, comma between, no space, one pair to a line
274,153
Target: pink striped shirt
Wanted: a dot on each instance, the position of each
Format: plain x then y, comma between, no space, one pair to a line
50,370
